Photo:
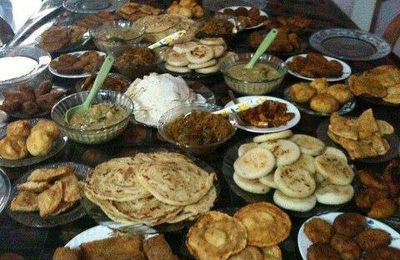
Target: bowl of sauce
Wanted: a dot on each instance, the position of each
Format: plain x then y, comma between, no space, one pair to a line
264,77
105,119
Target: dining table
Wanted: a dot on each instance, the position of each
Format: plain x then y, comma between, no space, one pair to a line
22,242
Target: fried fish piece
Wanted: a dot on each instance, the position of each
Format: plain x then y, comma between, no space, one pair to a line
373,238
382,208
32,186
50,199
157,248
346,247
65,253
25,201
350,224
371,180
322,251
318,230
72,190
50,174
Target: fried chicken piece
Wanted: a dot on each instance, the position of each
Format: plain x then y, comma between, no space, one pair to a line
350,224
65,253
383,253
322,251
30,108
43,88
369,179
47,101
391,176
367,197
346,247
13,148
318,230
382,208
19,129
373,238
297,63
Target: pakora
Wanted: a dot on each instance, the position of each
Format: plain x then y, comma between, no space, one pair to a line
373,238
318,230
350,224
315,65
346,247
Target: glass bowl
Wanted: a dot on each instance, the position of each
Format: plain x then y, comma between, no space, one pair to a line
95,136
252,87
185,109
38,55
115,34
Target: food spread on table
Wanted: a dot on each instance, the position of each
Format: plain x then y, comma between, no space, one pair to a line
156,189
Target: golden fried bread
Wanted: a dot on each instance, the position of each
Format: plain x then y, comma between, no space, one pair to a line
340,92
249,253
350,224
24,201
62,207
324,103
367,125
384,127
13,148
343,127
373,238
50,174
20,128
216,236
301,92
272,253
50,199
266,224
318,230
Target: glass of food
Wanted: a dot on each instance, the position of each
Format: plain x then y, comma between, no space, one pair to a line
263,78
107,117
117,33
194,128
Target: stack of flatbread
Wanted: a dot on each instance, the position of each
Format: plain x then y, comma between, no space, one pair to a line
301,169
151,189
49,191
361,137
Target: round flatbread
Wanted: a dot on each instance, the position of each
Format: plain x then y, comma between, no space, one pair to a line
184,47
250,252
273,136
216,236
252,186
266,224
331,194
200,54
305,162
219,50
294,182
212,41
255,164
268,180
308,144
177,59
285,152
208,70
271,253
335,152
244,148
295,204
202,65
177,69
334,169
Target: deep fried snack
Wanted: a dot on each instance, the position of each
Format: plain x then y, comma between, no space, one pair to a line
320,84
157,248
373,238
50,199
383,208
391,175
324,103
20,128
13,148
383,253
301,92
42,138
63,206
369,179
50,174
25,201
318,230
340,92
48,126
322,251
65,253
32,186
350,224
315,65
250,252
272,253
72,191
367,197
346,247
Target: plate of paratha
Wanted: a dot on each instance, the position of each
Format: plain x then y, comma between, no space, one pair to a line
48,196
154,188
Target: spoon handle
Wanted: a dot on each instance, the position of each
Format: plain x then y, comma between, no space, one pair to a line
167,40
269,38
98,82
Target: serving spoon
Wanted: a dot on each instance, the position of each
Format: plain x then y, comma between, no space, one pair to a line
269,38
98,82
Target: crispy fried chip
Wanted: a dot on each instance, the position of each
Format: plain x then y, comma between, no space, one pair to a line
25,201
32,186
72,190
50,174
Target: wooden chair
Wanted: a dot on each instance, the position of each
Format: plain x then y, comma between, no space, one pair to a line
392,32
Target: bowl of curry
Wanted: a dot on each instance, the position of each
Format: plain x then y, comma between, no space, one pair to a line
195,128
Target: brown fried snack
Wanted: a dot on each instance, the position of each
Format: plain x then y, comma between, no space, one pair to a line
367,197
13,148
20,128
369,179
64,253
24,201
322,251
315,65
350,224
32,186
383,253
346,247
250,252
373,238
318,230
391,175
383,208
157,248
50,174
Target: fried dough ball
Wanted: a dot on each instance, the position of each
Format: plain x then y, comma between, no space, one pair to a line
346,247
318,230
324,103
49,127
382,208
322,251
383,253
13,148
350,224
301,92
20,129
370,180
320,84
373,238
39,143
340,92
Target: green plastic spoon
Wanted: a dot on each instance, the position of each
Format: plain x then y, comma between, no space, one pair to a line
269,38
98,82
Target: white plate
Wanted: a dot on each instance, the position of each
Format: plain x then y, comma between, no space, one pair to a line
345,73
304,243
89,235
73,76
290,108
261,12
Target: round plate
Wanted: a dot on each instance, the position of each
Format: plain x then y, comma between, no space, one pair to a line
33,219
5,189
228,170
350,44
261,12
304,243
92,6
345,73
71,47
290,108
101,218
344,109
73,76
30,160
393,140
